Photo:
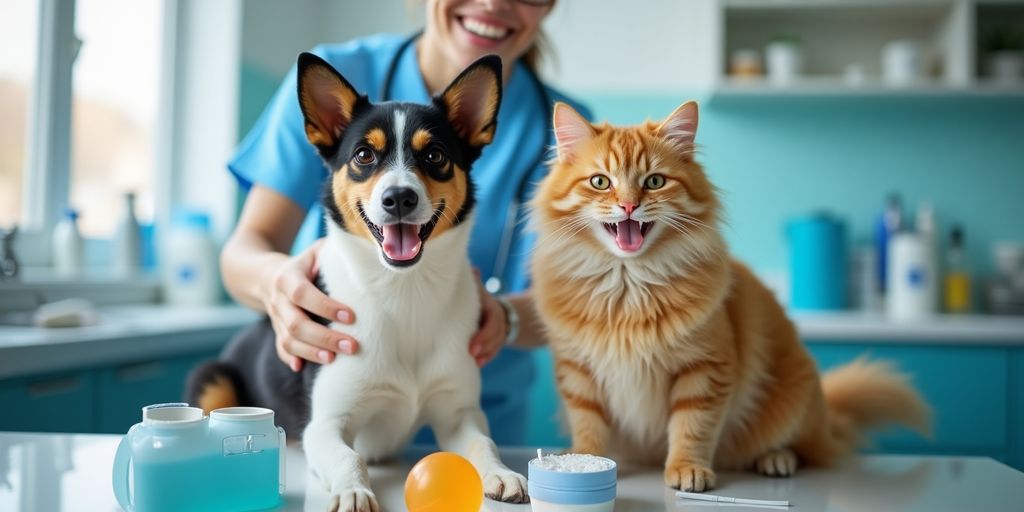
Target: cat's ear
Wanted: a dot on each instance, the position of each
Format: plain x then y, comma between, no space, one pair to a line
571,131
471,101
680,128
327,101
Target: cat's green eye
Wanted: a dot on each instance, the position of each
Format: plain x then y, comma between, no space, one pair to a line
654,182
600,182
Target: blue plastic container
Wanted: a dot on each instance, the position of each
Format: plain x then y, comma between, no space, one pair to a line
178,459
817,262
561,491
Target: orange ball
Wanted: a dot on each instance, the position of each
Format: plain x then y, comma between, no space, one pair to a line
443,482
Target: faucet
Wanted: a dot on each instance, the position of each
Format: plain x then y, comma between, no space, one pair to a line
8,260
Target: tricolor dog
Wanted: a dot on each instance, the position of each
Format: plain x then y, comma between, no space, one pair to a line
399,205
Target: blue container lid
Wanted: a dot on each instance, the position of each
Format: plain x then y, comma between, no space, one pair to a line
188,218
567,488
71,213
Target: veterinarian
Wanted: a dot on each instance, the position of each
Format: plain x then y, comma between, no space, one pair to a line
269,261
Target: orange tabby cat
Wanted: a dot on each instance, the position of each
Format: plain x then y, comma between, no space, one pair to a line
666,349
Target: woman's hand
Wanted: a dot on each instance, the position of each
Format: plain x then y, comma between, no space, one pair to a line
288,297
488,340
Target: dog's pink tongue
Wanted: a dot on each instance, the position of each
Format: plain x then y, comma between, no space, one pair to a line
628,235
401,241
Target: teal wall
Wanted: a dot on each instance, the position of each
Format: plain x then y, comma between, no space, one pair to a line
776,157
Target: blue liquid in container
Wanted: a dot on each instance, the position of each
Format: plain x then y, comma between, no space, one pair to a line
166,486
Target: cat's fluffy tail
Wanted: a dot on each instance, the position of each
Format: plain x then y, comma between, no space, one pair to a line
865,394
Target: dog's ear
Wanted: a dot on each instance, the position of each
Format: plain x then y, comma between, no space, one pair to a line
327,101
471,101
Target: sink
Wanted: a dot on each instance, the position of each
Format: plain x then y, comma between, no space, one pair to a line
16,319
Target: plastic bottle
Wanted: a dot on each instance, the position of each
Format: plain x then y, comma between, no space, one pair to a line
924,225
890,221
68,246
190,276
958,276
127,243
911,279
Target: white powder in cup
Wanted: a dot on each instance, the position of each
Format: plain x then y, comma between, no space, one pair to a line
573,463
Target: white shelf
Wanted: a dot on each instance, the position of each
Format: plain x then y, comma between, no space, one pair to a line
834,34
832,86
847,326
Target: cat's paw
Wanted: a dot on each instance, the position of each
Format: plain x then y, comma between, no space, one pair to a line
505,485
687,476
353,499
777,463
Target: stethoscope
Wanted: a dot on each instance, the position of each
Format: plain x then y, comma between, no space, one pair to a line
494,283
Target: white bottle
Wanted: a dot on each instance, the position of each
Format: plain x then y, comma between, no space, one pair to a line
190,276
926,228
912,280
68,246
127,242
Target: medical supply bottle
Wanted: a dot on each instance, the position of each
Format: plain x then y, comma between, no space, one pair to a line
68,246
957,282
127,241
189,259
889,222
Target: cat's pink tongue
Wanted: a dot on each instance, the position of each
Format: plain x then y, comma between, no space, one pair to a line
628,235
401,241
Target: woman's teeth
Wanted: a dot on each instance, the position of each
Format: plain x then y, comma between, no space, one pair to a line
482,29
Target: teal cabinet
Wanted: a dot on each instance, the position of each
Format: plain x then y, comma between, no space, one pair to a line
976,393
1017,410
967,387
123,390
61,402
94,400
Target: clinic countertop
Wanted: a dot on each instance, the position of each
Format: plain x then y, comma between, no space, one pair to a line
127,333
123,333
55,472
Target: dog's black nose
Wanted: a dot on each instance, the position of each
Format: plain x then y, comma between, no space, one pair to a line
399,201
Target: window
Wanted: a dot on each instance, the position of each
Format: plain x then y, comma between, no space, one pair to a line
115,91
95,98
19,28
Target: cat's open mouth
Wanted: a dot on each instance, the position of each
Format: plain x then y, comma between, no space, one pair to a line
629,234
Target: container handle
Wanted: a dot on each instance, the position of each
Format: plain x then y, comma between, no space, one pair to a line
282,454
120,474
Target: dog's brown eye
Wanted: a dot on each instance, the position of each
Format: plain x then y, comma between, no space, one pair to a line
364,156
600,182
654,182
435,157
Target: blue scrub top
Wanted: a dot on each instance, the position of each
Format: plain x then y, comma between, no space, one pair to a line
276,154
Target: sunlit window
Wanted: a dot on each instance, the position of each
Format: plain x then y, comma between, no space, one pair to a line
114,109
19,25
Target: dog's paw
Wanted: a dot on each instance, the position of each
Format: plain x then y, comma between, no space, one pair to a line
688,476
777,463
353,499
505,485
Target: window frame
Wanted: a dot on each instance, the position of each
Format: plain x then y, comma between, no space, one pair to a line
46,186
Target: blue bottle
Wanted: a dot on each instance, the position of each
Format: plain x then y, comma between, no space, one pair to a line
180,459
889,222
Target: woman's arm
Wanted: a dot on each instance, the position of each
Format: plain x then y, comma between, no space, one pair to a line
531,328
259,273
494,325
